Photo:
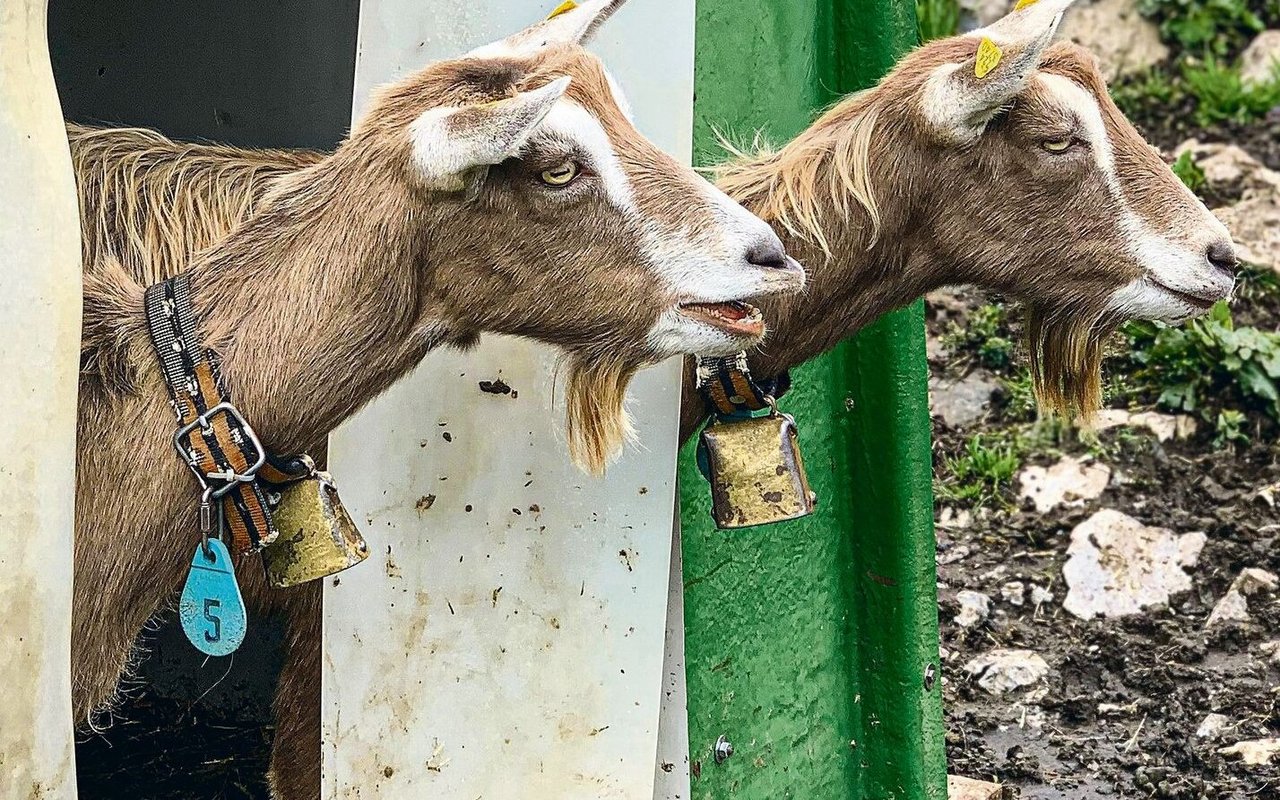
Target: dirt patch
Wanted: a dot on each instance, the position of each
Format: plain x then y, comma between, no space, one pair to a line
1118,714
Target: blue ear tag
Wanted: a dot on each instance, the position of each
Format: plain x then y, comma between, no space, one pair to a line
211,608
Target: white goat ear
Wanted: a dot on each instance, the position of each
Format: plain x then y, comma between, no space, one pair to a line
570,23
450,141
960,99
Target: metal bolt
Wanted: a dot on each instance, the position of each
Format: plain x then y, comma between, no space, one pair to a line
723,750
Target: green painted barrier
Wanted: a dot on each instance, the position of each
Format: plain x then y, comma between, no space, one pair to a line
812,646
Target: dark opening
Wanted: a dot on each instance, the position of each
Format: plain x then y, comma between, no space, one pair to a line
272,73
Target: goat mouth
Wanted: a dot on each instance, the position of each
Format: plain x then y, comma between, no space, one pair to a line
734,317
1200,301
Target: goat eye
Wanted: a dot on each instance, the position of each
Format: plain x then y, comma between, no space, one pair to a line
1057,145
562,175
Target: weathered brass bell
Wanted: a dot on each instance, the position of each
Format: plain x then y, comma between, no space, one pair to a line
317,538
756,472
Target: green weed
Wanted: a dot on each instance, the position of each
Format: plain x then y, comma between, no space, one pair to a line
1207,366
1230,428
982,471
983,337
1189,172
937,19
1220,27
1221,95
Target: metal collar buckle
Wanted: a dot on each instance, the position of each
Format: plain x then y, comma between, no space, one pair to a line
229,477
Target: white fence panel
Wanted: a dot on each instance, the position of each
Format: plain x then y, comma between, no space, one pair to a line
506,639
39,359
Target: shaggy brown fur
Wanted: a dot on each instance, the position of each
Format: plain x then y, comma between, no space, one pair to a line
882,212
320,280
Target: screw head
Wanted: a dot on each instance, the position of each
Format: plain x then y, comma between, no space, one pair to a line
724,749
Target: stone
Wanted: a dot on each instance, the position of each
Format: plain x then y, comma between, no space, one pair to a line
1229,166
1212,726
1124,41
1259,59
1254,224
1014,593
1271,650
1040,595
1234,605
1254,753
1118,566
974,608
953,518
1070,482
1164,426
1001,670
961,402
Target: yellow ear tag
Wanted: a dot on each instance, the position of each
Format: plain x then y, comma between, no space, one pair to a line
569,5
1021,4
988,56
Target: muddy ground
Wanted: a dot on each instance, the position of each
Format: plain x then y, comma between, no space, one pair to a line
1118,713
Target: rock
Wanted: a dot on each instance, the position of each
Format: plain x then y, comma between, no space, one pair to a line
1014,593
954,518
1254,223
1164,426
1124,41
1229,167
953,554
961,402
1255,753
1068,482
1040,595
1117,566
1253,580
1271,650
1234,605
1001,670
974,608
1259,59
1212,726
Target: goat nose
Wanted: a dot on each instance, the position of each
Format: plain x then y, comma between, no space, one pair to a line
768,255
1222,255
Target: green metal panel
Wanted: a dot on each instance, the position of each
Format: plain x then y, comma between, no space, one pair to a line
808,642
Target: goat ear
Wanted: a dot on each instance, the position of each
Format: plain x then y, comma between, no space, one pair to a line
450,142
570,23
960,99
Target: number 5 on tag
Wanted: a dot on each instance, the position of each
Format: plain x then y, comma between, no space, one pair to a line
211,609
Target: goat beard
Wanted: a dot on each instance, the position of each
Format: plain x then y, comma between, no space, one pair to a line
597,419
1066,348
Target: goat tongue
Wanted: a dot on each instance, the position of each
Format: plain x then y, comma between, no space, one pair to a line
733,316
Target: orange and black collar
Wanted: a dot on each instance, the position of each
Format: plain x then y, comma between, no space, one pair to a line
725,382
213,438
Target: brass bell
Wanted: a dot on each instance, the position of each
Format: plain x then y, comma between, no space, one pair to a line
756,472
317,538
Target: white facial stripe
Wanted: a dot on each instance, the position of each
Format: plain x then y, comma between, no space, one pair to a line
695,265
572,122
1176,263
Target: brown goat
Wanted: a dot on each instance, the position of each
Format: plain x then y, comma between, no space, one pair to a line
1028,181
505,192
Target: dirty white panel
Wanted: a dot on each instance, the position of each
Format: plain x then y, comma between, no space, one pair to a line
506,639
671,777
40,317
